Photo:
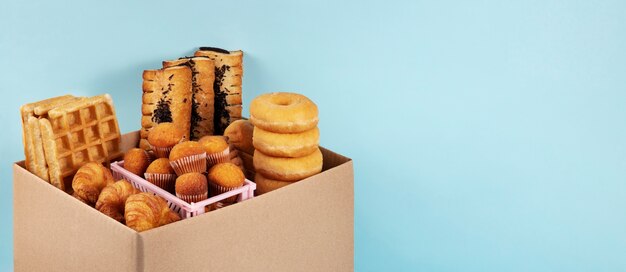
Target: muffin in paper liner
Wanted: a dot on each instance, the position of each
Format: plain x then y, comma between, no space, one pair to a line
220,157
161,152
218,190
190,164
164,181
193,198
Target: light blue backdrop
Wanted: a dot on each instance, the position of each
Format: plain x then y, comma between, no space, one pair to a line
487,135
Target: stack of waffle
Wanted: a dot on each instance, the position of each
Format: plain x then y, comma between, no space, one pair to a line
200,94
61,134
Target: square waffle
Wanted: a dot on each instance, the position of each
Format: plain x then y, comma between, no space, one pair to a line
82,131
31,134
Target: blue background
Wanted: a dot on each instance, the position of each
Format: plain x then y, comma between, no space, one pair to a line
487,135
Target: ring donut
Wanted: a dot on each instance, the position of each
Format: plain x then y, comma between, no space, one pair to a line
288,169
283,112
265,185
290,145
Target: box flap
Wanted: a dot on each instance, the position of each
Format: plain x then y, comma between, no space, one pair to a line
90,240
308,225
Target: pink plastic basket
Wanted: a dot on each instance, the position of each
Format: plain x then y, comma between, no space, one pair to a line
178,205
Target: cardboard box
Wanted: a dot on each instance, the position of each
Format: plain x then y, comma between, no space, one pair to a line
307,226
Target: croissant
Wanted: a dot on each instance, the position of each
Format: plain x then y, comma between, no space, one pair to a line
144,211
112,199
89,180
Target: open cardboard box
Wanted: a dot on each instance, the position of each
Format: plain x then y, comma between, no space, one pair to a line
306,226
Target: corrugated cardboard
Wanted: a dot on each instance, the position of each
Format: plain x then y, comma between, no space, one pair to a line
306,226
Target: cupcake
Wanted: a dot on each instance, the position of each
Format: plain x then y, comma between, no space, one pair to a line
224,177
163,137
161,173
192,187
188,157
136,161
216,149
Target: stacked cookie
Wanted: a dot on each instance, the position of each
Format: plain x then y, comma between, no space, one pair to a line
285,138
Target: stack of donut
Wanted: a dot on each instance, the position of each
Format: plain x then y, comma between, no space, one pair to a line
285,138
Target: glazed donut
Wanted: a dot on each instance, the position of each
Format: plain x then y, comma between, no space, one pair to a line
290,145
283,112
265,185
288,169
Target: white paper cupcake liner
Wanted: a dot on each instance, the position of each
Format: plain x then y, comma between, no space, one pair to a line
190,164
164,181
215,158
161,152
218,190
193,198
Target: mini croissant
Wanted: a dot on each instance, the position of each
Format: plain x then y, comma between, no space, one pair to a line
90,179
144,211
112,199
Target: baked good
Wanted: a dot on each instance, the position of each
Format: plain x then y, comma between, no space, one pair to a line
89,180
163,137
227,85
78,132
283,112
288,169
192,187
167,96
161,173
290,145
144,211
136,160
113,197
248,164
239,134
234,157
188,157
265,185
202,97
217,149
224,177
35,160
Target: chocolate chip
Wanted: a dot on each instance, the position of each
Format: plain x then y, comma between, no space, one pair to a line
214,49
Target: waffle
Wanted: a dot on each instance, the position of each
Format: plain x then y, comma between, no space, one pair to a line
85,130
31,134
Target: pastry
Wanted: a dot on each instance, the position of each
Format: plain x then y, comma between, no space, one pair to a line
163,137
192,187
161,173
188,157
89,180
239,134
283,113
216,149
202,97
234,157
227,85
144,211
265,185
136,160
167,96
78,132
35,160
225,177
288,169
113,197
289,145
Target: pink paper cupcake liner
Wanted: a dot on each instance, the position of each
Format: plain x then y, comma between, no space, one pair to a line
161,152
